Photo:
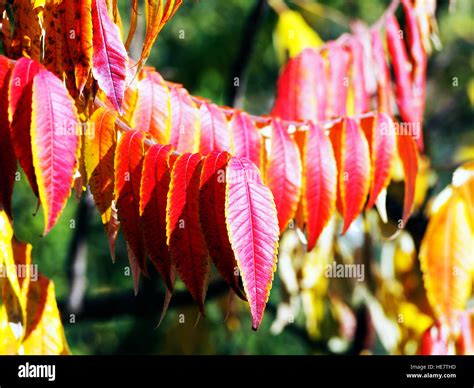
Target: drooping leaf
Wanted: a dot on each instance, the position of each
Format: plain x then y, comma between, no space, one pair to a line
44,326
128,163
99,160
283,173
407,151
154,188
157,15
357,82
215,131
353,164
338,85
247,141
301,92
212,215
27,34
185,125
7,154
55,143
21,89
252,224
152,113
109,57
183,230
380,134
320,183
447,257
78,22
382,74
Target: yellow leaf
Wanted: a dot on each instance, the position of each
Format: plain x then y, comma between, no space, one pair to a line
293,35
47,336
447,256
7,262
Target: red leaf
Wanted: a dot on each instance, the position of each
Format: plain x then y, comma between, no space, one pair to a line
128,170
7,155
152,114
353,164
215,131
361,96
184,121
408,154
435,341
301,92
380,135
283,174
55,143
247,140
382,72
184,234
338,59
21,85
319,189
252,224
212,213
154,188
109,57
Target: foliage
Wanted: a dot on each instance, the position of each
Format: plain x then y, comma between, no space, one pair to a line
149,150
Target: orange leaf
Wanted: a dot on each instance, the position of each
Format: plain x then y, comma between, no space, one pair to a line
380,135
99,160
408,154
353,164
152,113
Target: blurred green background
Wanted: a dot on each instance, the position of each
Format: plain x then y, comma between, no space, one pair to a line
199,48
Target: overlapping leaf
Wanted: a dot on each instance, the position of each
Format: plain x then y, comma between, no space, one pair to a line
20,102
7,154
212,214
320,183
183,230
283,173
247,141
109,57
99,160
338,81
55,143
353,164
185,125
155,183
152,113
252,224
215,130
128,163
407,151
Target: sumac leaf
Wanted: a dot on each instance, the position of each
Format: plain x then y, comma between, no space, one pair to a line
154,189
320,183
407,151
55,143
215,131
212,213
109,57
183,230
252,224
353,164
283,173
247,140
